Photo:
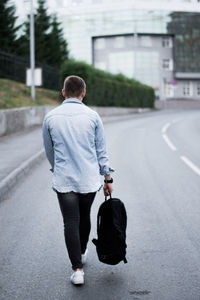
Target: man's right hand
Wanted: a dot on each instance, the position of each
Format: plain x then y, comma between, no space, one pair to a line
107,189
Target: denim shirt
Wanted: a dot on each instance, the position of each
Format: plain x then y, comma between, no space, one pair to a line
74,142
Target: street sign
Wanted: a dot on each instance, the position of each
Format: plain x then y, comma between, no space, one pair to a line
37,77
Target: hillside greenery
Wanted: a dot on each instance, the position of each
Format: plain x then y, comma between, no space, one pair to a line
15,94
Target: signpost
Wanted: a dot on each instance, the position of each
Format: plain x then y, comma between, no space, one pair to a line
32,52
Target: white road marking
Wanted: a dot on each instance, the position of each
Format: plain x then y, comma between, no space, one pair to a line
165,137
191,165
176,120
165,127
169,143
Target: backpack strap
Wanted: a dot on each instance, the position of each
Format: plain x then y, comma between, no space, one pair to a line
95,241
108,196
98,222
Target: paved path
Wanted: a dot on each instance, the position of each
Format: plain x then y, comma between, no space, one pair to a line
18,147
161,193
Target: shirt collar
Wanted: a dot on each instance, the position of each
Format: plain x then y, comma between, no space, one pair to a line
72,100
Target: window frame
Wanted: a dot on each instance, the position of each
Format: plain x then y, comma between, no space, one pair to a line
187,88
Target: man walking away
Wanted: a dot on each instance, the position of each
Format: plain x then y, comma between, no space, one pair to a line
74,142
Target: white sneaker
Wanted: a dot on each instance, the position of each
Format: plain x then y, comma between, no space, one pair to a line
84,257
77,277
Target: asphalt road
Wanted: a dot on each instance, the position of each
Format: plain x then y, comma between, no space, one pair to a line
157,163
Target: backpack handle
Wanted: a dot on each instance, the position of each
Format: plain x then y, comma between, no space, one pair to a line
99,216
108,196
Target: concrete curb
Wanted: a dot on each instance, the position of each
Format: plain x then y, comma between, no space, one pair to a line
8,183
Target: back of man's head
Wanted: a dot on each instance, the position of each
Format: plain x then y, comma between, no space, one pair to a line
74,86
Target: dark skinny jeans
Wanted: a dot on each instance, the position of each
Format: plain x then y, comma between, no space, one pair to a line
75,208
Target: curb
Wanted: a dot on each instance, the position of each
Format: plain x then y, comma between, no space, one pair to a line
7,184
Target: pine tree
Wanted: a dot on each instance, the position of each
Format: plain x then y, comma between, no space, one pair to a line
58,45
50,46
42,37
23,42
41,34
8,30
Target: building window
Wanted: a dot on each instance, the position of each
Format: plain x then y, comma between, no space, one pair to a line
198,86
99,44
169,89
121,62
119,42
145,41
167,64
166,42
187,88
147,67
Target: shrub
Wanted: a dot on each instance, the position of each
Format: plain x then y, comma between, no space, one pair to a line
106,89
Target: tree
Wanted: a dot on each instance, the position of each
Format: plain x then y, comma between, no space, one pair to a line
41,29
42,36
8,30
58,45
50,46
23,42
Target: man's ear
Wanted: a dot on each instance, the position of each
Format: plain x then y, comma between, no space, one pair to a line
84,93
63,93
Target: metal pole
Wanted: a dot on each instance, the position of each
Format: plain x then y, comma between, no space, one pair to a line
32,52
135,44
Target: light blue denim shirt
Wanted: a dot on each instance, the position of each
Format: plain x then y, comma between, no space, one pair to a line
75,146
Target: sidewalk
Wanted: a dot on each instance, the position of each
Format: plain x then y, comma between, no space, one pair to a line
19,152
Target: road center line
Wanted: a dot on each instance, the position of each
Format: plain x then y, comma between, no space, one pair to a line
191,165
169,143
165,127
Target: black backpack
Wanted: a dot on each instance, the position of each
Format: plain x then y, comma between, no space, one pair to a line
111,232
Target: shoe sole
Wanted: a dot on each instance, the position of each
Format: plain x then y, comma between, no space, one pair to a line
78,282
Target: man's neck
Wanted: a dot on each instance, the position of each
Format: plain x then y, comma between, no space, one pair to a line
79,98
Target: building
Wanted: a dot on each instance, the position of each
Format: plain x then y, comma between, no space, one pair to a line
146,57
88,24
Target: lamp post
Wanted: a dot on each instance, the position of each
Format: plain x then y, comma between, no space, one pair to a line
135,44
32,52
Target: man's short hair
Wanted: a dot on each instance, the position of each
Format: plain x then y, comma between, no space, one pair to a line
74,86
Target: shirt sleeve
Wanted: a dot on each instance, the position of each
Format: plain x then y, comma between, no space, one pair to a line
100,145
48,144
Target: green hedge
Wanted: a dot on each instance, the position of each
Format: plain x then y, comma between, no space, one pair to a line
106,89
